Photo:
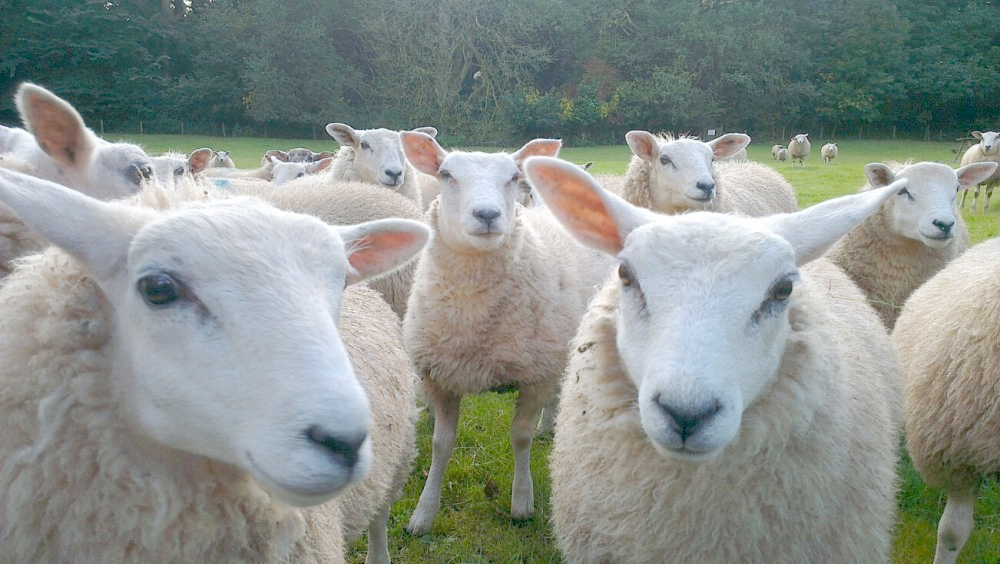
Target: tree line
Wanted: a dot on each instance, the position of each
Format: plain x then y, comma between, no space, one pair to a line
500,71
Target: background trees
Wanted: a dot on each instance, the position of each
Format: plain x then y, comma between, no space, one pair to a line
498,71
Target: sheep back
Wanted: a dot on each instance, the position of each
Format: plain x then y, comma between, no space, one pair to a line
76,482
752,188
811,476
947,336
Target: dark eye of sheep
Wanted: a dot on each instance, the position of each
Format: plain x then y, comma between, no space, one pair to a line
782,290
905,192
664,160
625,275
444,174
179,171
366,146
158,289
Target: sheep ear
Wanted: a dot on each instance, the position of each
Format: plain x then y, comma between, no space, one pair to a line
536,148
199,159
643,144
323,155
432,131
728,145
815,229
343,134
422,151
594,216
380,246
977,134
975,173
276,154
319,165
97,233
56,125
879,174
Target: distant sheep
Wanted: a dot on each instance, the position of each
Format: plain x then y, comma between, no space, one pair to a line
57,143
496,297
828,152
283,172
987,150
948,337
171,167
197,379
915,233
221,159
725,401
376,156
774,151
783,154
673,175
799,148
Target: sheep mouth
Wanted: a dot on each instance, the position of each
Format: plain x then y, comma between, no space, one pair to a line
319,490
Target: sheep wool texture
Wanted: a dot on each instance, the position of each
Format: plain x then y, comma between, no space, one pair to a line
948,337
889,267
343,168
811,476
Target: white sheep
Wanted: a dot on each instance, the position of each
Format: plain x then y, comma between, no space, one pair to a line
57,143
724,401
673,175
171,166
829,152
988,150
376,156
799,148
264,172
496,297
180,384
221,159
774,151
915,233
16,240
282,172
783,154
948,338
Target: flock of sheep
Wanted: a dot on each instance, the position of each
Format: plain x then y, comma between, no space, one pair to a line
199,365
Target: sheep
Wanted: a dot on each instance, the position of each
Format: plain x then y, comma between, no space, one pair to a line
181,384
496,297
673,175
948,343
283,172
60,147
828,152
709,413
16,239
171,166
783,154
988,150
221,159
798,148
376,156
264,172
347,203
913,235
774,151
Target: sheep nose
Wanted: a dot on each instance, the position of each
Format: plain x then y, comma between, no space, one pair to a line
944,227
707,188
394,175
687,421
486,215
344,449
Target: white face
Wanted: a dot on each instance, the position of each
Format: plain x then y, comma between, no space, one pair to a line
117,171
925,209
989,142
478,192
801,138
168,169
379,157
702,328
681,175
283,172
235,348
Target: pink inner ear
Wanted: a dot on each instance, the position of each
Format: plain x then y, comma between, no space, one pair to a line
579,207
376,252
57,132
422,151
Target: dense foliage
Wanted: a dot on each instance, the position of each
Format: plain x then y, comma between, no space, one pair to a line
497,71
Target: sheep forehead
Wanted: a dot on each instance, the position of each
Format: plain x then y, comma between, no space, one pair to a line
684,149
480,168
929,178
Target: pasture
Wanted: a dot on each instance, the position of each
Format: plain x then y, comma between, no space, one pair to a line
474,524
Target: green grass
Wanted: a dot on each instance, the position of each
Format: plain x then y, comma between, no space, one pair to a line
474,526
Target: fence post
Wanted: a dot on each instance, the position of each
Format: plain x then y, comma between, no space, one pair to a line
140,127
223,129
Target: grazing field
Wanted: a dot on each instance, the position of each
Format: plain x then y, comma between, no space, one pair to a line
474,524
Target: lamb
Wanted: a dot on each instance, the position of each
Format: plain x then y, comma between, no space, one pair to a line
283,172
828,152
264,172
799,148
915,233
171,166
783,154
347,203
673,175
496,297
222,446
376,156
221,159
57,143
987,150
724,401
949,346
774,151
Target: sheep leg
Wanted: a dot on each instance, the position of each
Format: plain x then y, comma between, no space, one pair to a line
986,199
956,524
975,196
442,446
961,205
378,538
529,406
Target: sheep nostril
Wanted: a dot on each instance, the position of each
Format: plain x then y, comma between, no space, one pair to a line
943,226
486,215
687,421
343,448
707,188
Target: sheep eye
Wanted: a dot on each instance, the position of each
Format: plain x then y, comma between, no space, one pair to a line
782,290
625,275
366,146
516,178
444,174
179,171
300,175
904,192
664,160
158,289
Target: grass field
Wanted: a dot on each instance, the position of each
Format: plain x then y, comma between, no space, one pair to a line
473,525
